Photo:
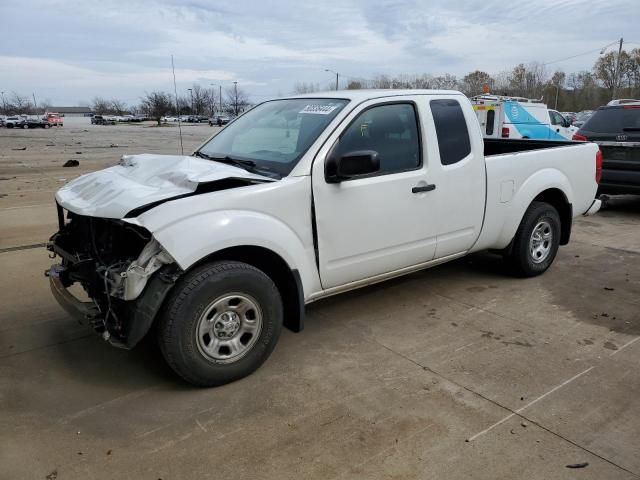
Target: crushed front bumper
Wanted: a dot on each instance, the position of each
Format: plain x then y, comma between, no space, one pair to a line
85,312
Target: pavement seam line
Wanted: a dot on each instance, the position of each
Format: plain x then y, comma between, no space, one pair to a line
515,413
521,409
630,342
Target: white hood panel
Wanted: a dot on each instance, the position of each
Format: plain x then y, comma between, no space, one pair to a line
140,180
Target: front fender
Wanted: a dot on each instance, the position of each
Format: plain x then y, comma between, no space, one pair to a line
192,238
545,179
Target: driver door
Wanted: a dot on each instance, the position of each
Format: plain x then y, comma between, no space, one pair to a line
384,221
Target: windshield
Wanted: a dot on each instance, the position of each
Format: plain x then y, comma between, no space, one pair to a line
274,135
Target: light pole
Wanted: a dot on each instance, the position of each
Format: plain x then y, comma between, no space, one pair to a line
219,95
35,105
4,104
191,93
557,90
235,97
337,76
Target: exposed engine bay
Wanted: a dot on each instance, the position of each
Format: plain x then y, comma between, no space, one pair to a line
113,261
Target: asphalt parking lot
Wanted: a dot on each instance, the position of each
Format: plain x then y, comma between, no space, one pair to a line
456,372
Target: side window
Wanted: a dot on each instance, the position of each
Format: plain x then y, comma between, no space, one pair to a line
556,118
391,130
451,130
491,116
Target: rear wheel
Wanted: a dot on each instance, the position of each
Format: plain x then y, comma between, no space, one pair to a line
220,323
536,242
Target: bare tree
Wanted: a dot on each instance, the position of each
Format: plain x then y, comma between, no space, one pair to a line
157,105
201,99
19,104
100,106
303,87
237,99
118,106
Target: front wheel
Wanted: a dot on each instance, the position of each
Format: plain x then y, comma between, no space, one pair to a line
536,242
220,323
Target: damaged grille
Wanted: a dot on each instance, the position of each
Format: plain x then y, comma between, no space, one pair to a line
95,252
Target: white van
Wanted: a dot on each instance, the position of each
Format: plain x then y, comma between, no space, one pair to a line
517,117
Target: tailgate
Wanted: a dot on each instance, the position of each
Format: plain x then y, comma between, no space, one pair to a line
620,162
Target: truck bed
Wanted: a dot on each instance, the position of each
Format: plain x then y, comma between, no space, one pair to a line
498,146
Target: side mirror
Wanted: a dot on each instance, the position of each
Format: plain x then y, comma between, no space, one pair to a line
351,165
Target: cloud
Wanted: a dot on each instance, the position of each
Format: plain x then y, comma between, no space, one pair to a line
113,48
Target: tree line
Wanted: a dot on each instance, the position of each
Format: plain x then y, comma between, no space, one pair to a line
611,75
587,89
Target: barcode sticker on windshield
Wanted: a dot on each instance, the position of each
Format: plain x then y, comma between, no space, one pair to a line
318,109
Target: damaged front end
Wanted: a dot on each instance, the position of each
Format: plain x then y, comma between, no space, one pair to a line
123,270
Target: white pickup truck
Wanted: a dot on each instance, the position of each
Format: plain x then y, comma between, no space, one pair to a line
298,199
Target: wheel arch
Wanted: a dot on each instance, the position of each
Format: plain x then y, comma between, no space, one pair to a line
287,280
556,198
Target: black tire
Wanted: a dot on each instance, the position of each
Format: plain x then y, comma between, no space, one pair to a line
185,310
525,259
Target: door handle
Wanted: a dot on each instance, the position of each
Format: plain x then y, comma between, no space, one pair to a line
423,188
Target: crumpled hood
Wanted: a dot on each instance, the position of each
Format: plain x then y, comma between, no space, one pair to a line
140,180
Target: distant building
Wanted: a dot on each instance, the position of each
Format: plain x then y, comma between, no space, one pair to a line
71,111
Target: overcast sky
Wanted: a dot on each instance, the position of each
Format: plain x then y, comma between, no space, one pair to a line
70,51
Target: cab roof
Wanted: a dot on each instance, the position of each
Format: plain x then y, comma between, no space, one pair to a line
364,94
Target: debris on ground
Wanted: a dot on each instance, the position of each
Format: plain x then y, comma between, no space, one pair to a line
51,145
23,148
578,465
7,178
53,475
609,289
78,153
71,163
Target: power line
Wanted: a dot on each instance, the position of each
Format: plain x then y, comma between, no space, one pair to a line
581,54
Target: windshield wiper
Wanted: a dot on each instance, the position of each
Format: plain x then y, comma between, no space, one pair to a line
248,165
226,159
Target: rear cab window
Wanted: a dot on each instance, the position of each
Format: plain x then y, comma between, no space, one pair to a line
451,129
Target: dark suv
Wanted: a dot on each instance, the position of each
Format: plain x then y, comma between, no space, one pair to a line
616,129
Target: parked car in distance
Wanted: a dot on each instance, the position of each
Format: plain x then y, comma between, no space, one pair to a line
35,121
582,117
15,122
616,130
219,120
54,119
339,192
102,120
570,116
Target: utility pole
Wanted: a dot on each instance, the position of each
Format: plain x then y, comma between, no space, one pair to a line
557,90
35,105
616,72
219,95
337,77
4,104
235,96
191,92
